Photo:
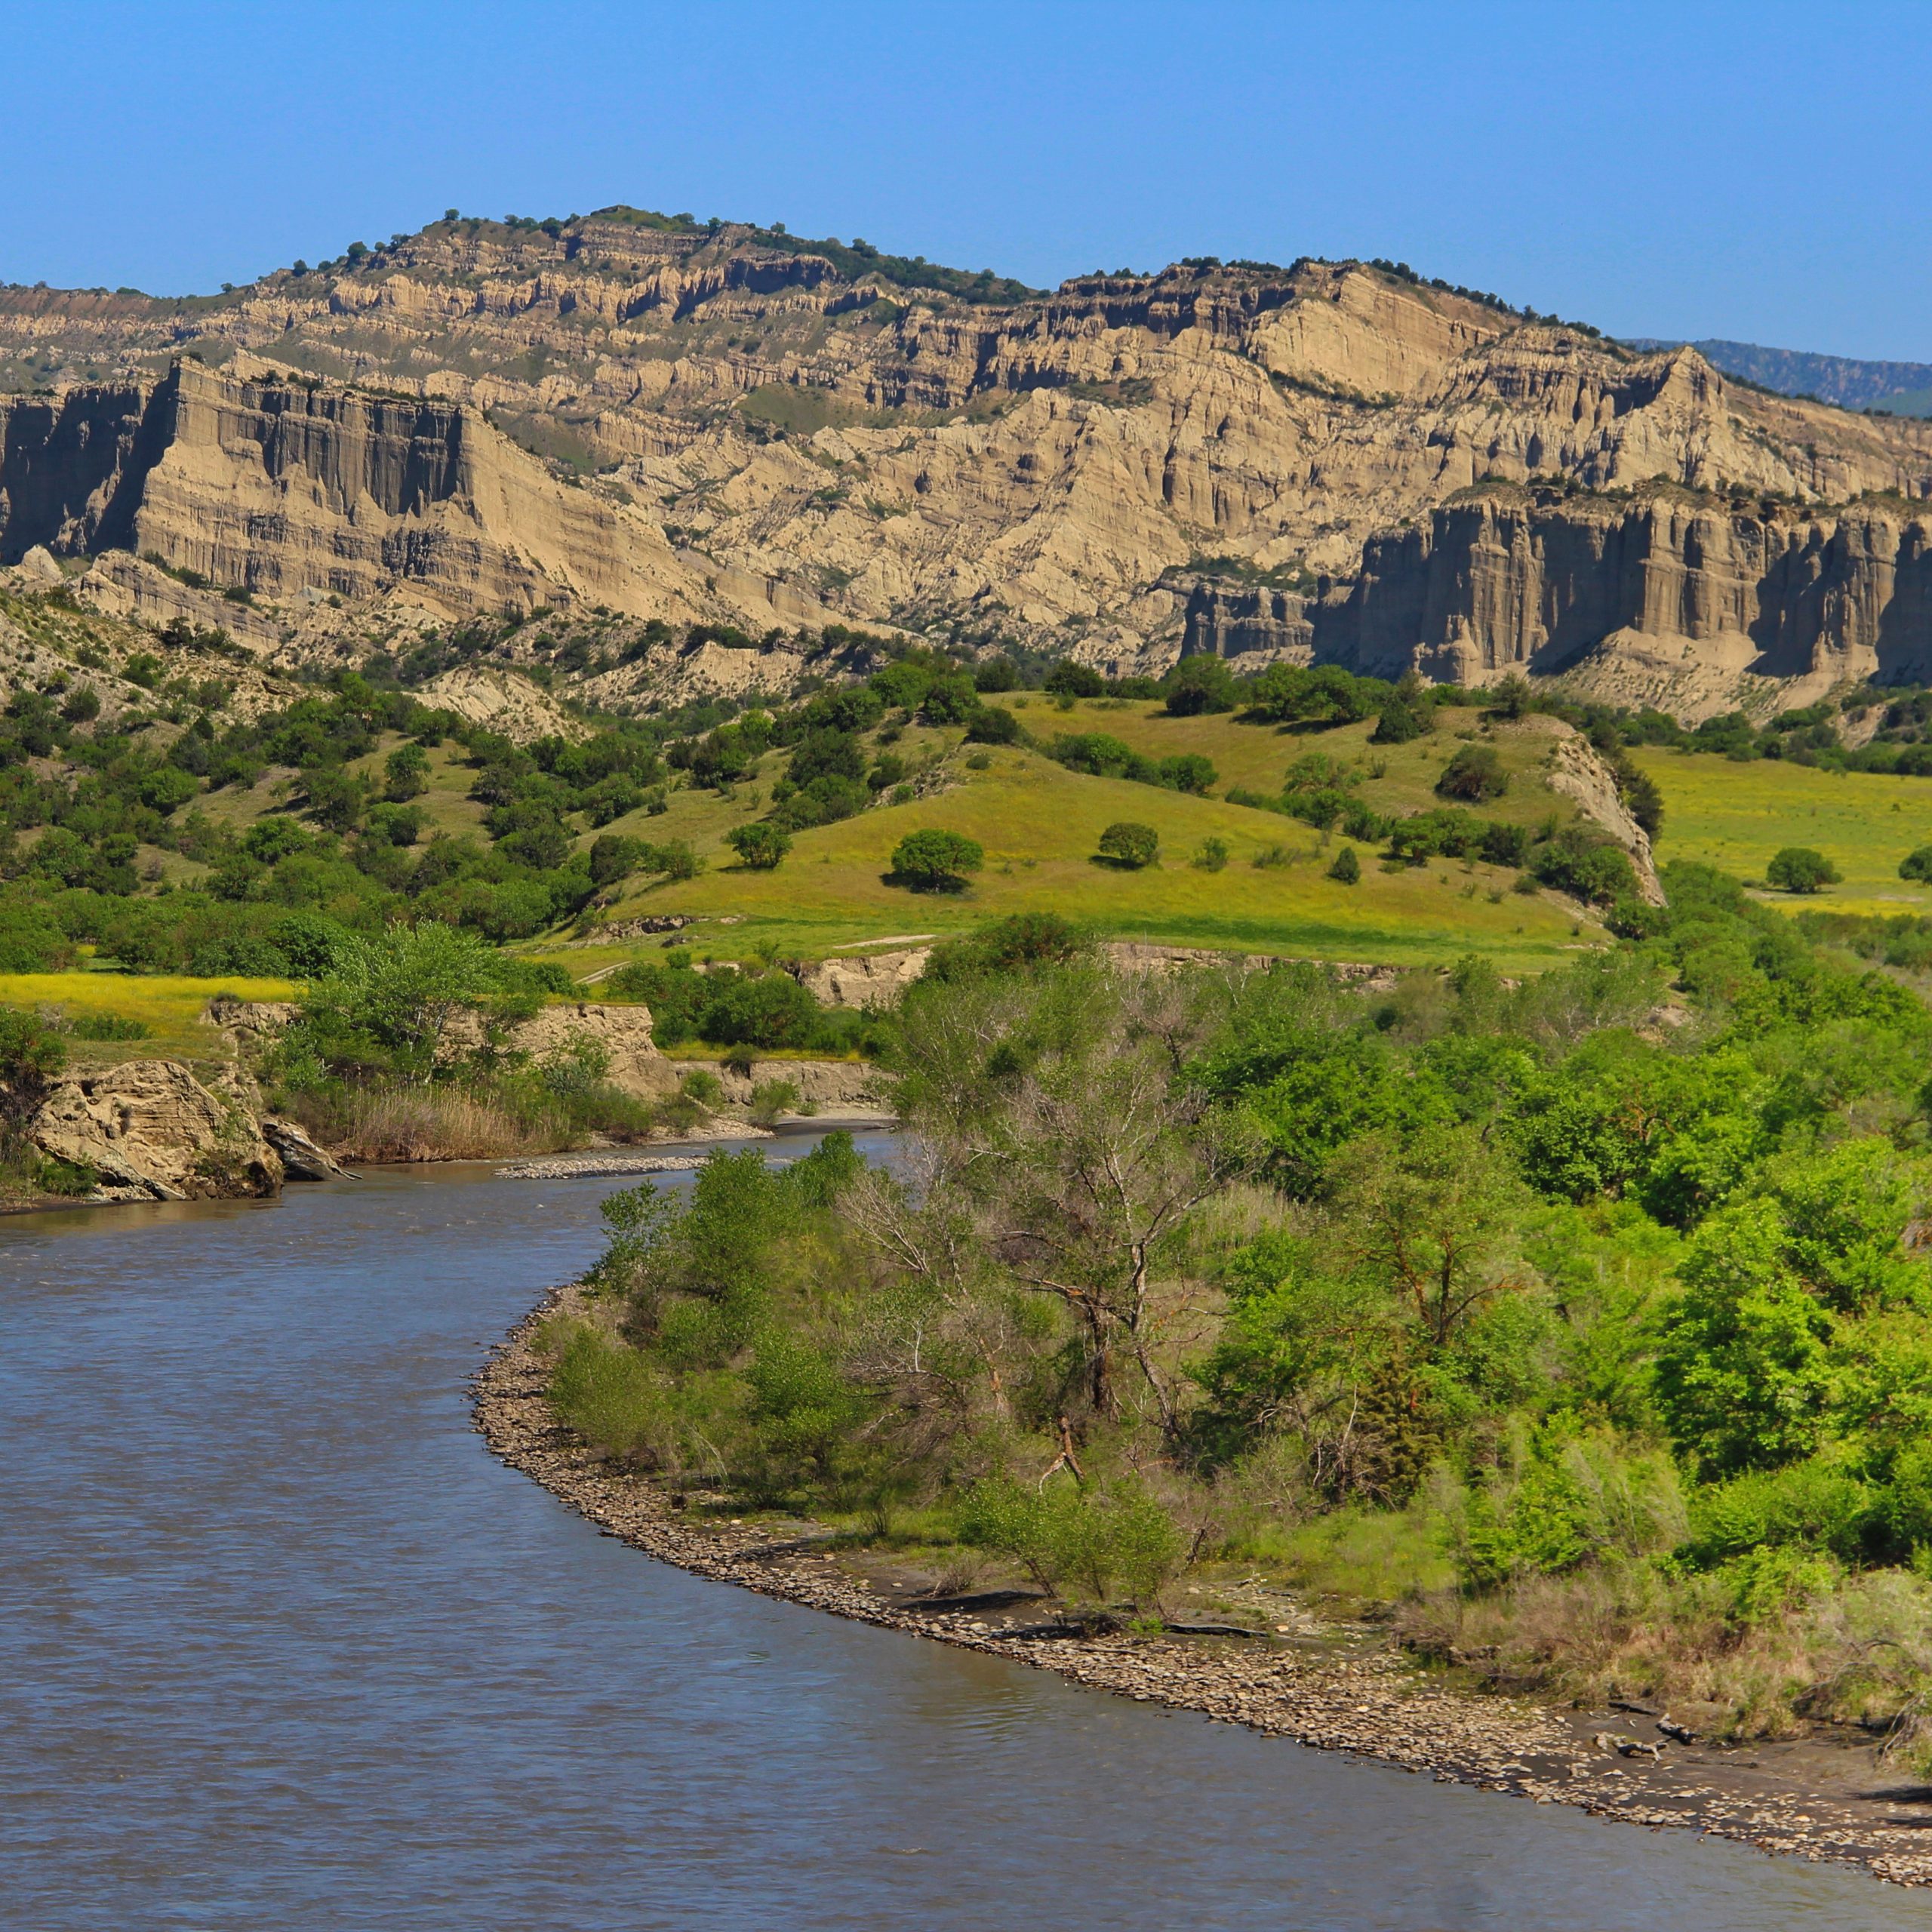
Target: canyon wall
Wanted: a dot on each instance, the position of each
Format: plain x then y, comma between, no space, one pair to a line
1500,582
716,422
287,490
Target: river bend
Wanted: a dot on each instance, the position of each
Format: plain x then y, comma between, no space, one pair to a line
282,1647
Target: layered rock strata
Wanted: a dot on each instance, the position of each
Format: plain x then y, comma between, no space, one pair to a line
151,1130
722,424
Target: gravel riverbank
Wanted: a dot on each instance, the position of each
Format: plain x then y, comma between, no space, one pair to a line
1336,1687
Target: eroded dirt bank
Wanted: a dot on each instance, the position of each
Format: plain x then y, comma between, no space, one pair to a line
1336,1687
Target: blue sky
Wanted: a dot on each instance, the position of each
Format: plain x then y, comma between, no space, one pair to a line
1759,172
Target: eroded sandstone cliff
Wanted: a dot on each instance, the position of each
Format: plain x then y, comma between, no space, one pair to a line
720,423
1611,589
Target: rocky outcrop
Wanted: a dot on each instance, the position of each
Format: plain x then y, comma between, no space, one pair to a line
1578,772
504,702
677,422
826,1088
249,1026
1502,582
621,1032
151,1130
875,979
1256,625
301,1158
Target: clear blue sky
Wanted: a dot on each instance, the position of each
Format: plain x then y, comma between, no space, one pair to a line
1755,171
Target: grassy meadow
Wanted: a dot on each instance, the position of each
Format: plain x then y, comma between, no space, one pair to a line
1040,825
1736,815
169,1006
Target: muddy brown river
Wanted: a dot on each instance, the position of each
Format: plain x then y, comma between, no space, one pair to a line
282,1646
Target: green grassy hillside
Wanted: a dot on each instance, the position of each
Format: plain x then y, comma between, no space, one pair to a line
1735,816
1040,824
169,1006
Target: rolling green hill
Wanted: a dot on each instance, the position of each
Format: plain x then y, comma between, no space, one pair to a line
1040,824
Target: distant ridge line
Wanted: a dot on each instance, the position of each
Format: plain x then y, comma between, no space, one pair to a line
1903,388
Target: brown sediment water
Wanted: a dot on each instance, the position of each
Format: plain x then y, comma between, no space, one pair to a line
282,1645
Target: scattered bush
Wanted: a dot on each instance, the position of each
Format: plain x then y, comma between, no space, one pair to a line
1799,869
1131,845
935,861
1092,1540
760,847
1475,773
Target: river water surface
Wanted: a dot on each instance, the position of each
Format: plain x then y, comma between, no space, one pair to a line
282,1647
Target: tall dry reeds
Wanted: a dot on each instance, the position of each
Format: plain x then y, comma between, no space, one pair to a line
438,1124
1757,1656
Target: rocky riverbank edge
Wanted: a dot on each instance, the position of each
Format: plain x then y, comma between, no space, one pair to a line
1330,1687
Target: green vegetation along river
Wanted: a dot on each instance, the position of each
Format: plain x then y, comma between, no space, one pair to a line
281,1644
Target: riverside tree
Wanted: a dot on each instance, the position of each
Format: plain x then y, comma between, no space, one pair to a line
403,993
1628,1326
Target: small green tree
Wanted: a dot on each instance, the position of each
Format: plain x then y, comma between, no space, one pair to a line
1510,698
675,860
1743,1376
760,847
1211,854
613,857
1798,869
404,990
1475,773
935,861
1431,1214
1347,868
1400,720
1131,845
336,797
1918,864
1200,684
1098,1540
405,774
32,1058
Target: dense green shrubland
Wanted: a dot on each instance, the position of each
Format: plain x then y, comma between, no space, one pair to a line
1598,1307
279,894
403,1047
737,1007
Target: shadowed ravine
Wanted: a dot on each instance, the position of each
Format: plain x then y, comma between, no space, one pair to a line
281,1644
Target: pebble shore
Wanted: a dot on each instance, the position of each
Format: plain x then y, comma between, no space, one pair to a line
1303,1680
568,1166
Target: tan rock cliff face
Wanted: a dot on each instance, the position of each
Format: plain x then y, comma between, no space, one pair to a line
150,1129
285,490
697,425
1631,595
875,980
